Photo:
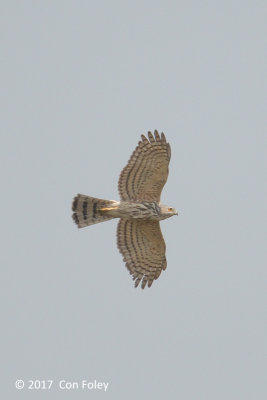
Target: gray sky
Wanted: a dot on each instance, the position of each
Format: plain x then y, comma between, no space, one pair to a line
81,81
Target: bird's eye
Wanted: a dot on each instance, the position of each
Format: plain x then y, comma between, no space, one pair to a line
169,209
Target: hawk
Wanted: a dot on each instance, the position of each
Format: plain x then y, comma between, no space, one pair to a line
139,237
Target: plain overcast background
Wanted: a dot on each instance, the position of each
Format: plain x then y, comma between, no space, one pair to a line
81,81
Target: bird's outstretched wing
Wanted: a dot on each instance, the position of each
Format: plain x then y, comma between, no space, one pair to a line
143,249
147,170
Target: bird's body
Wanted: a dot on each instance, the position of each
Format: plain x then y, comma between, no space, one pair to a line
150,210
139,237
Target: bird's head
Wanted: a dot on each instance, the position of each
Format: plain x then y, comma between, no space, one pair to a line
167,211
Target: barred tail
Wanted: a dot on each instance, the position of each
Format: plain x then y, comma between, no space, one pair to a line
87,210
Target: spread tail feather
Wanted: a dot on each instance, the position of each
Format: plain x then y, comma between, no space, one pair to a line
87,210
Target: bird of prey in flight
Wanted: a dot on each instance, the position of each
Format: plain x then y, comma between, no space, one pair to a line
139,237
